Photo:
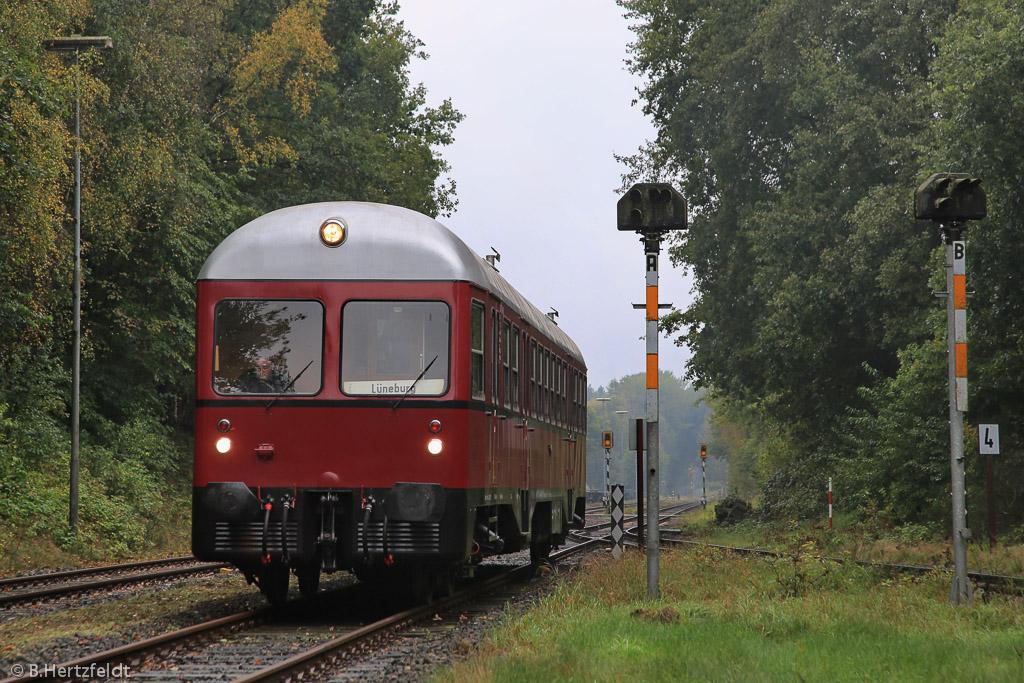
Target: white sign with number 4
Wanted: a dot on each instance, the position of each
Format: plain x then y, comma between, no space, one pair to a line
988,439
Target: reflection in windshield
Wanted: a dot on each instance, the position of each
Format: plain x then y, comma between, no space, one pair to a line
387,344
261,345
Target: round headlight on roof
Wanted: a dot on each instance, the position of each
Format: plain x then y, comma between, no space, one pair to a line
333,232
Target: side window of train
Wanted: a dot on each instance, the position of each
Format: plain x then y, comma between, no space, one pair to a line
268,347
495,358
560,390
583,403
533,377
563,397
562,416
547,384
571,387
552,401
476,351
516,342
540,382
576,400
506,358
577,418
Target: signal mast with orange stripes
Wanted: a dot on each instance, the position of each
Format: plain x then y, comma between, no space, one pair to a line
651,210
950,200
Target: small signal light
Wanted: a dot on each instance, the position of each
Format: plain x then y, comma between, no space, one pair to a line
434,426
703,450
333,232
606,440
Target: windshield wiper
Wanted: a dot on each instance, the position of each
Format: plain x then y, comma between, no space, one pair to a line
289,385
412,386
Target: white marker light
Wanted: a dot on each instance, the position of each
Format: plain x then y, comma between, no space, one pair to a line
435,446
223,444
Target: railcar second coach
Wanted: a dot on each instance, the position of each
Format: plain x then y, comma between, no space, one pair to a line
373,396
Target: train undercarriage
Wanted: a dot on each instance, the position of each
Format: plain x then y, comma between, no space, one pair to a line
414,538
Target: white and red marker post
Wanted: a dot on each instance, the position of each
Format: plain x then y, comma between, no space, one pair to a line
830,503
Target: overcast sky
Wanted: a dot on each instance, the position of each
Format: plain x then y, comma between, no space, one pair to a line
546,98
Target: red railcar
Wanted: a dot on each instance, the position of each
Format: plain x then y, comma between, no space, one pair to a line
373,396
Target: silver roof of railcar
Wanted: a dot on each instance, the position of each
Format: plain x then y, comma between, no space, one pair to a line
383,243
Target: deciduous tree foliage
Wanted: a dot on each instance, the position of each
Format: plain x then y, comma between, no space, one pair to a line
205,114
798,133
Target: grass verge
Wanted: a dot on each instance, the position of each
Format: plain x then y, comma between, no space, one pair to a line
725,618
855,539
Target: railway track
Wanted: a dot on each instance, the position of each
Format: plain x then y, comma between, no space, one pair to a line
259,645
49,585
667,512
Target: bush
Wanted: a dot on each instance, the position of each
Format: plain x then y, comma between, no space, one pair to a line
130,492
732,510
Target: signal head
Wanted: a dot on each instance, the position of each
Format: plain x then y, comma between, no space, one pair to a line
950,197
651,206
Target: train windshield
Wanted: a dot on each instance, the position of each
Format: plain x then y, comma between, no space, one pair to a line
387,345
268,347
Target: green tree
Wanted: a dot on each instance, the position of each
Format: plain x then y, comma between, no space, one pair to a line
205,114
798,133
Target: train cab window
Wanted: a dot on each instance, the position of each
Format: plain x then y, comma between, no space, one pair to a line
265,347
476,351
391,347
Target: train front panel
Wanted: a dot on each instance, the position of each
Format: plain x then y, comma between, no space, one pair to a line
328,428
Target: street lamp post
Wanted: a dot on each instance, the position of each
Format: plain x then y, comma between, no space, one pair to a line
76,44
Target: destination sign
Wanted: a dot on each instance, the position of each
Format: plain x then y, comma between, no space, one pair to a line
397,387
